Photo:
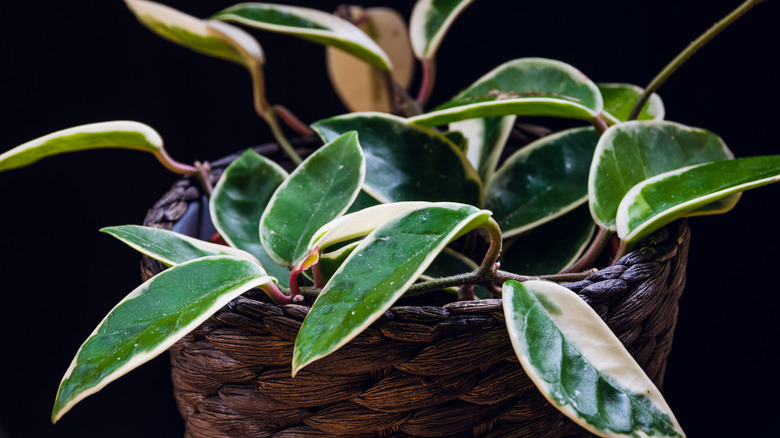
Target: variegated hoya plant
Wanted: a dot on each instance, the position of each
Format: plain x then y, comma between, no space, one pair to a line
363,220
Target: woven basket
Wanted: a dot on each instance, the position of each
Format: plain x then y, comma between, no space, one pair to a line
420,370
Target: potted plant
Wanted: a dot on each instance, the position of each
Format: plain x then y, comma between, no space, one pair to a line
331,126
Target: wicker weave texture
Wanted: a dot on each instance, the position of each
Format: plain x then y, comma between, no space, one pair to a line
429,371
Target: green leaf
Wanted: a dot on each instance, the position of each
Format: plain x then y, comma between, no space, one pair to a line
331,261
319,190
719,206
211,38
310,24
377,273
119,134
526,86
486,139
619,100
551,247
527,106
580,366
237,204
430,21
171,248
631,152
405,162
458,139
542,181
151,319
359,224
659,200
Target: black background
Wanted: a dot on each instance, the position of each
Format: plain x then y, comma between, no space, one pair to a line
69,63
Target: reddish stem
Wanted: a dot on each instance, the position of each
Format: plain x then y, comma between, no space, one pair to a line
275,294
292,121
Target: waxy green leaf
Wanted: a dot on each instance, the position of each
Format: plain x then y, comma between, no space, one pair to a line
407,162
526,86
551,247
237,204
718,206
580,366
430,21
310,24
151,319
119,134
663,198
619,100
171,248
377,273
359,224
629,153
486,140
542,181
458,139
331,261
213,38
527,106
319,190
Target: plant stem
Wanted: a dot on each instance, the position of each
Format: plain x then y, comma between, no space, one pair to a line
488,279
276,130
316,272
293,122
592,253
491,256
503,276
445,282
275,294
621,251
203,175
173,165
600,124
386,76
692,48
428,79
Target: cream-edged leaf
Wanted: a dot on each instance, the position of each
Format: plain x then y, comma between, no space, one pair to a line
511,106
171,248
619,100
525,86
310,24
663,198
629,153
212,38
238,202
359,223
406,162
319,190
116,134
485,140
580,366
542,181
430,21
550,247
151,319
378,272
